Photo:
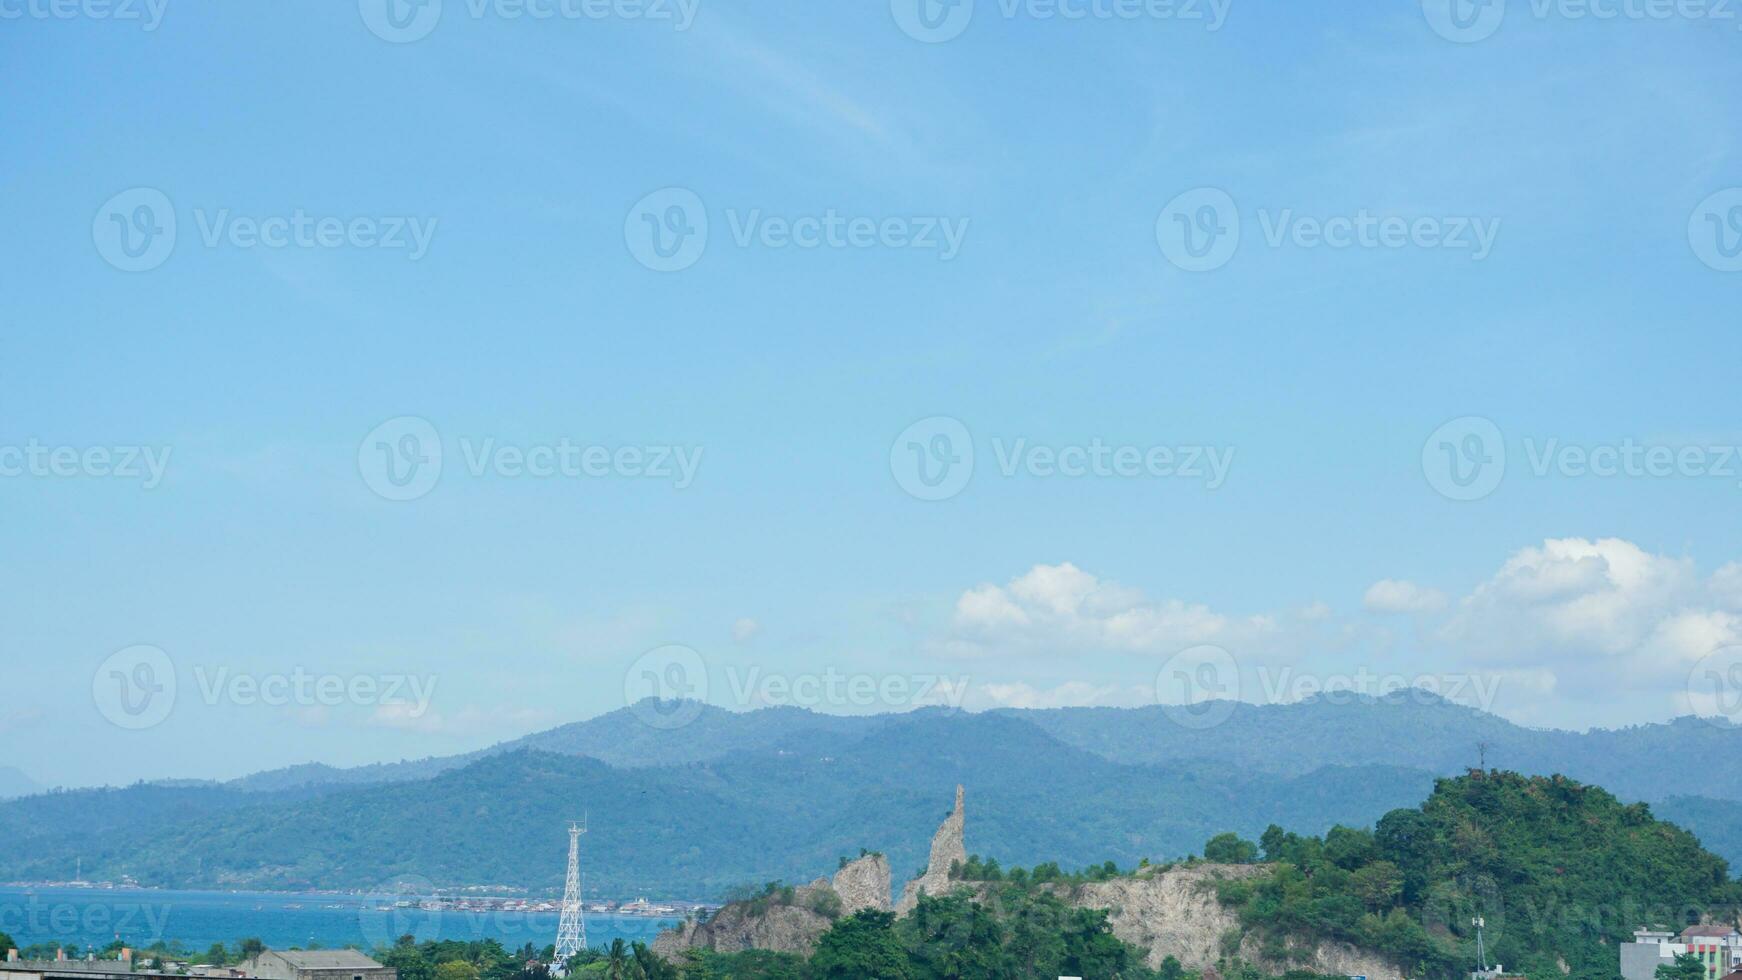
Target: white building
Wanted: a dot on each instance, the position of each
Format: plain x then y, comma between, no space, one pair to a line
1718,947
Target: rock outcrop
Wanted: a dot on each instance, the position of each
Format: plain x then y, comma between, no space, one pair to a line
947,848
735,928
786,927
1165,912
863,884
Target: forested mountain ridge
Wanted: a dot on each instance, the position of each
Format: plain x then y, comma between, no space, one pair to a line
1077,786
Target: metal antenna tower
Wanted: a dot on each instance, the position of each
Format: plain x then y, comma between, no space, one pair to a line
1481,954
571,929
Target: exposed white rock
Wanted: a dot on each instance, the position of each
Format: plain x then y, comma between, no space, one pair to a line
948,847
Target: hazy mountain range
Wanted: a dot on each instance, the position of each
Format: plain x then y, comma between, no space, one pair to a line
14,782
732,797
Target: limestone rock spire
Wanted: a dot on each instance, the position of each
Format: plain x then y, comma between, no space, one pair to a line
947,848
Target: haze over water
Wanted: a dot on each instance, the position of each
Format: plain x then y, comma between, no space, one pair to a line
197,919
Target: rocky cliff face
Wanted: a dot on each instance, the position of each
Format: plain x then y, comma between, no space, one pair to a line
948,847
863,884
1172,912
782,928
794,928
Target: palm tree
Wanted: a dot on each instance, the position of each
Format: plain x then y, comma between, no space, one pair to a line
617,959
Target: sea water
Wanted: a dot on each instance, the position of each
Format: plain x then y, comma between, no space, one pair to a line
197,919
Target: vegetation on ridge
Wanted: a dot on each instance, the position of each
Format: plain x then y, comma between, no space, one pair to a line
1560,872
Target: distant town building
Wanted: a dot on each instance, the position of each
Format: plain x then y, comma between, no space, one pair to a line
1718,947
316,964
61,968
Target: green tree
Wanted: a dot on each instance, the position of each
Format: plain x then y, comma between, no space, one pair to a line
1686,966
6,943
954,936
1230,849
862,946
456,970
1377,885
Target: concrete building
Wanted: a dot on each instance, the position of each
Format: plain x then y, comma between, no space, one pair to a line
316,964
1718,947
61,968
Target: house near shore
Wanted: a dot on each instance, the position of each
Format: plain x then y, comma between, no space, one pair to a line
316,964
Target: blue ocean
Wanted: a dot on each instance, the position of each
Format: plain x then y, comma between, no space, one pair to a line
197,919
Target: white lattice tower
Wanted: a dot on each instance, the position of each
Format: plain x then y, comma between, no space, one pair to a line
571,928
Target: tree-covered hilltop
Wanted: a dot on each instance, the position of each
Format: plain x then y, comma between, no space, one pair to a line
1560,872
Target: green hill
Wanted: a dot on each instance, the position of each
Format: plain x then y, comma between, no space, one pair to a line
1559,871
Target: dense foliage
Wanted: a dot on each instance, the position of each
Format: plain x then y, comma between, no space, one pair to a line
1560,873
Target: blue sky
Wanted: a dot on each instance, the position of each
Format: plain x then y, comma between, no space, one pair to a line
526,147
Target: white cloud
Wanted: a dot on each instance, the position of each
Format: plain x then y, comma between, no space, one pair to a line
1727,586
745,629
1571,631
1063,610
1572,598
1397,596
1070,694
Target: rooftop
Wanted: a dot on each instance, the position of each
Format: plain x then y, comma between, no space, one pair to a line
325,959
